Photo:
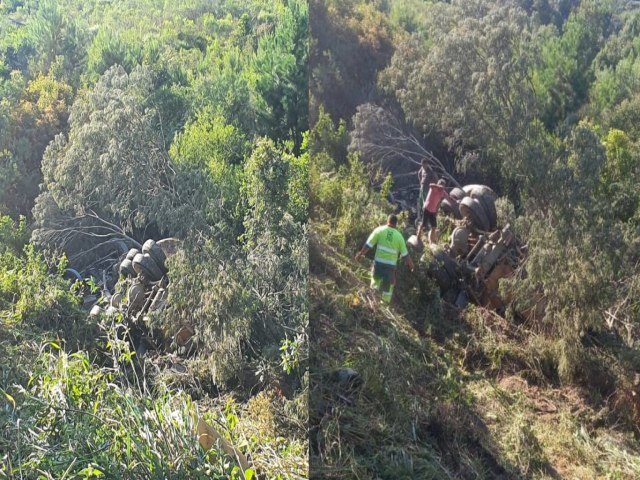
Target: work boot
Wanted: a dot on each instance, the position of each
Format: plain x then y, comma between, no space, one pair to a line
386,296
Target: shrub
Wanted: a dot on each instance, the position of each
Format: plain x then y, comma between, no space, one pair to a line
73,420
29,295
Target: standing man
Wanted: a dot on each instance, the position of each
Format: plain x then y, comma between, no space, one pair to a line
436,194
389,244
426,176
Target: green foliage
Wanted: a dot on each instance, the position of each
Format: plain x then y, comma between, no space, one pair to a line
346,197
56,37
625,117
328,142
73,420
616,67
30,295
281,64
291,353
108,49
125,121
243,297
13,235
210,143
298,187
34,112
274,185
241,306
339,185
215,150
473,47
563,80
409,15
352,41
245,61
224,84
539,100
266,181
113,163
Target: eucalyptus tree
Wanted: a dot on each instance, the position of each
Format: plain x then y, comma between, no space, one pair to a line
112,169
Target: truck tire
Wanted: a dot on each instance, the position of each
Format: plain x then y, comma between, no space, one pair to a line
144,264
126,269
169,246
489,205
479,190
132,253
457,193
442,269
472,209
441,277
135,296
451,209
155,252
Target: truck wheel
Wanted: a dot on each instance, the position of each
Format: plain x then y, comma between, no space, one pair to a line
458,193
136,297
460,241
144,264
489,205
445,261
470,208
169,246
126,268
451,209
156,253
479,190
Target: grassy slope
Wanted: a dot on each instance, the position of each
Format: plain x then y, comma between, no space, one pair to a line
453,403
33,370
65,409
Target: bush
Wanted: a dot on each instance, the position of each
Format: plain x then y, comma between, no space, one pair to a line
242,305
73,420
346,197
29,295
13,235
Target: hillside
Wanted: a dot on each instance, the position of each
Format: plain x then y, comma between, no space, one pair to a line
538,101
153,246
471,398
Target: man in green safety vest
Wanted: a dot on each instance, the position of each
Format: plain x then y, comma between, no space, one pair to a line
389,244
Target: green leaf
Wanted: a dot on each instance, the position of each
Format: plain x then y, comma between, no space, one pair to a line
249,474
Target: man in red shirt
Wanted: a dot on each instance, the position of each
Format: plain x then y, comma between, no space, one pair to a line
426,176
436,194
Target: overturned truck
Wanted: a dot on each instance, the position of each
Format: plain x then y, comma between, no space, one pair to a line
135,286
480,252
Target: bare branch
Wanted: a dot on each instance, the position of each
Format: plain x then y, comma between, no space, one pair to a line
381,140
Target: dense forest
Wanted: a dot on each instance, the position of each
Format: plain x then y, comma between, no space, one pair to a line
538,99
124,122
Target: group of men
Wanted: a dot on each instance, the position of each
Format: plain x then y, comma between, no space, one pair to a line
389,242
